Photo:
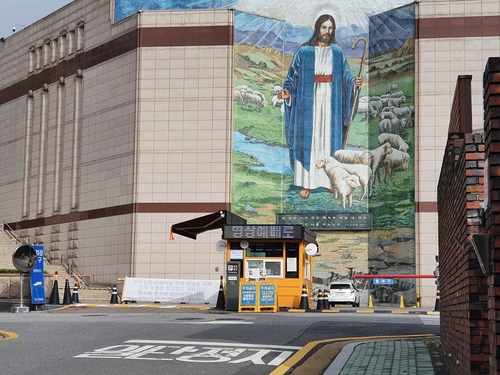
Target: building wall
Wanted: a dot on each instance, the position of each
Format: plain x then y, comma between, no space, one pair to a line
183,147
148,142
453,38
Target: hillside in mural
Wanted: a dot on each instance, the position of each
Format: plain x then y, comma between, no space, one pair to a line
391,30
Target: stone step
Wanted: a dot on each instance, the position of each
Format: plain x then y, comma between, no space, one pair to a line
90,295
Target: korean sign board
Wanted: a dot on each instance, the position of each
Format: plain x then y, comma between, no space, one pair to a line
258,297
36,278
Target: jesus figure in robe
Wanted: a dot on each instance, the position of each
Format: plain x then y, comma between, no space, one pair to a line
319,92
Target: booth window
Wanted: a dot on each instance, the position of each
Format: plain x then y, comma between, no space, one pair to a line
273,268
292,260
265,249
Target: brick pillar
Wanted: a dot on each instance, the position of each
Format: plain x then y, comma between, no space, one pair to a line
491,84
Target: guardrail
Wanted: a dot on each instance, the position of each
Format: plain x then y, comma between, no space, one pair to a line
396,276
79,279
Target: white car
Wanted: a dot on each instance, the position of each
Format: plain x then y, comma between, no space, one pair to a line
343,292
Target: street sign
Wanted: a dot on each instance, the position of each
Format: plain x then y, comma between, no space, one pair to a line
383,281
37,279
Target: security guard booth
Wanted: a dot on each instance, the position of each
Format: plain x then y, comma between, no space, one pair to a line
276,254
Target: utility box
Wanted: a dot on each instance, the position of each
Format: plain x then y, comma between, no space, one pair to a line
233,270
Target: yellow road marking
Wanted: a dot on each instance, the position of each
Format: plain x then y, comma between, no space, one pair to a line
8,335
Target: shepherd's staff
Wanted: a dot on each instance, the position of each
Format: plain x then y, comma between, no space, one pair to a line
356,93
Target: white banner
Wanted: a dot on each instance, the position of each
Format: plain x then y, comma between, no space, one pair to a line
166,290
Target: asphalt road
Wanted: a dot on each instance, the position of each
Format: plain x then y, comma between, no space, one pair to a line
105,340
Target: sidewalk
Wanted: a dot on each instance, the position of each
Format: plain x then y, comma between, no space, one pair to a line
385,357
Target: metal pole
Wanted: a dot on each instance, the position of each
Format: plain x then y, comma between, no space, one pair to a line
21,289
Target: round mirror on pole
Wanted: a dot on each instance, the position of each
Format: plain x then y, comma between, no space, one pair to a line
24,259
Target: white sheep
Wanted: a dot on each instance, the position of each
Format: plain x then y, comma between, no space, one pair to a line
392,161
378,155
393,87
396,94
365,110
376,105
342,181
256,98
395,140
277,101
247,96
391,125
353,156
404,112
396,102
388,115
363,171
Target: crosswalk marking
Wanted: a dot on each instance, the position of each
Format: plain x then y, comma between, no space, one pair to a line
430,320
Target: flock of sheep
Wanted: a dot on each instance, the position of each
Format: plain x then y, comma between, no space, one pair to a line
247,96
387,108
350,169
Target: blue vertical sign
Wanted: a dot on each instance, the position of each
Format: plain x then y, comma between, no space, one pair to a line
37,280
267,295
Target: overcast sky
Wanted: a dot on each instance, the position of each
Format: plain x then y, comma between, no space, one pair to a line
23,13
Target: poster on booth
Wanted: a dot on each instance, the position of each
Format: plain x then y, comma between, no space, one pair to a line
36,278
256,274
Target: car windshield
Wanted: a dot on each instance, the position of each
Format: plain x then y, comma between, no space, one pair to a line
340,286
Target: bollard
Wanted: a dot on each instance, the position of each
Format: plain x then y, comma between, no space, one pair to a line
326,304
437,305
67,294
75,294
401,302
114,295
319,303
54,296
304,300
418,299
370,301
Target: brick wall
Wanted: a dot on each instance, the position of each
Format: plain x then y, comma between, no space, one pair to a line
463,286
468,203
491,84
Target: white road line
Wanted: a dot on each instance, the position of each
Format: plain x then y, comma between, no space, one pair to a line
222,322
430,320
205,343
